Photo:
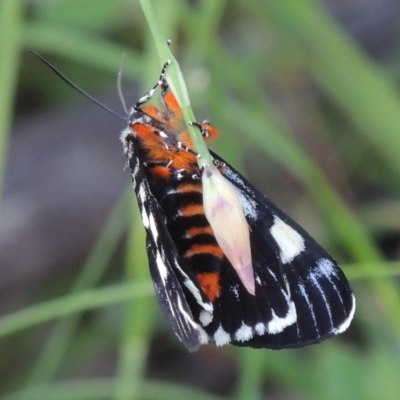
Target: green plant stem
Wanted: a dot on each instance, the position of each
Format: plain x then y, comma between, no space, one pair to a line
11,23
177,83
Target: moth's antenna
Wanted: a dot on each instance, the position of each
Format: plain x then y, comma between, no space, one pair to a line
77,88
119,85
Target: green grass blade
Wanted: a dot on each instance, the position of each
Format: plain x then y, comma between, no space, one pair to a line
81,47
71,304
139,316
93,269
365,94
103,389
11,25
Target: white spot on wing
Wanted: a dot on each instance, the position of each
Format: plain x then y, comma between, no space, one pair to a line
189,319
278,324
260,328
325,268
142,193
143,198
244,333
203,336
235,290
205,317
162,268
341,328
153,227
221,337
290,242
145,218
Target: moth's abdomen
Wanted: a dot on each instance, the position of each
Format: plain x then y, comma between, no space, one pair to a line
192,233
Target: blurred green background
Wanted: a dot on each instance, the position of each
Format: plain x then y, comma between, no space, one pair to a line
305,94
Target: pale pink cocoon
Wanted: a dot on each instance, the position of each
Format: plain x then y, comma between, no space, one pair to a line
225,215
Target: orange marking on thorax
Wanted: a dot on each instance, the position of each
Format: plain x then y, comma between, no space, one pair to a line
162,149
147,134
199,230
209,282
192,209
158,151
213,249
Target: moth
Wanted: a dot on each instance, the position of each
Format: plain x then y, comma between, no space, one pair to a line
300,294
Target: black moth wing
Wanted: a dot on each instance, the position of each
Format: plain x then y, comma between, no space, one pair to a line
172,280
315,285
